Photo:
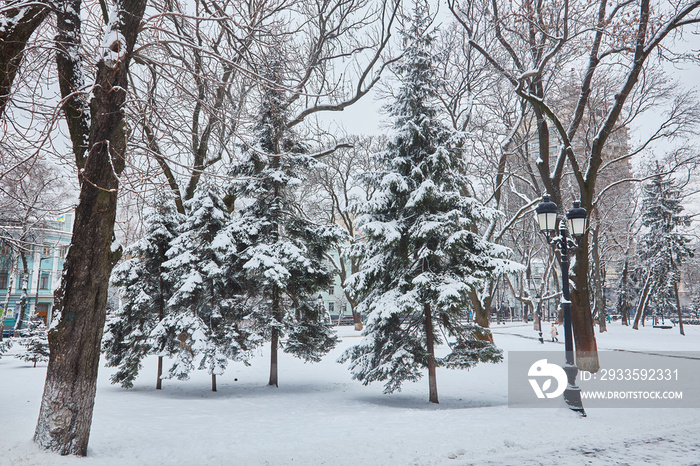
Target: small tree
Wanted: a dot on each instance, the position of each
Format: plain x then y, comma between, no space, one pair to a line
5,345
627,290
281,252
422,254
663,249
204,314
144,294
35,341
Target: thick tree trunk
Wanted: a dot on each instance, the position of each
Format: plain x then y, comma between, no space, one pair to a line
581,316
66,409
213,382
430,346
74,345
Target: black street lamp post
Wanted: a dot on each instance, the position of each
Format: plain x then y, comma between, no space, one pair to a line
547,213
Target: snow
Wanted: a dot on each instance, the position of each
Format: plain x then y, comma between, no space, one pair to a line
318,415
113,44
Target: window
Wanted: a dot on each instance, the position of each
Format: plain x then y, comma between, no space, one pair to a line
42,311
3,280
46,251
331,291
331,308
44,281
64,251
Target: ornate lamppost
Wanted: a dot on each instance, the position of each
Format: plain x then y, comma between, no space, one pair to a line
576,219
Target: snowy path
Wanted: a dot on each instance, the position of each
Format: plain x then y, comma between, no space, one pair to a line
319,416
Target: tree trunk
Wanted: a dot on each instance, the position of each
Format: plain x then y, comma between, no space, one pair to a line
357,319
430,344
20,20
274,341
642,308
581,317
599,282
481,316
159,381
23,299
213,382
624,304
680,313
66,409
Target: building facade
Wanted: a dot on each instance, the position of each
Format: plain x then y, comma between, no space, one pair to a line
31,264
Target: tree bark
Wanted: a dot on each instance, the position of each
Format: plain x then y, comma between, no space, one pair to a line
274,341
481,315
20,21
159,381
642,308
357,319
66,409
213,382
680,313
430,346
581,316
599,282
23,299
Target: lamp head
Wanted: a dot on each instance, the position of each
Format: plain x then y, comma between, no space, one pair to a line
576,220
547,216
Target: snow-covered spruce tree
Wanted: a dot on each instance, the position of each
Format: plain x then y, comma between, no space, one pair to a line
35,341
663,248
281,251
627,289
203,326
144,294
5,346
422,253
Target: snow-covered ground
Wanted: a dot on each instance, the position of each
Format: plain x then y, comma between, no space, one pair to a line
320,416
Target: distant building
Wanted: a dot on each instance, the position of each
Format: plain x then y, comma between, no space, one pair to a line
38,260
333,298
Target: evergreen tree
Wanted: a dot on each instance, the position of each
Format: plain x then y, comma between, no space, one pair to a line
203,328
144,294
627,289
280,251
5,346
422,254
35,341
663,249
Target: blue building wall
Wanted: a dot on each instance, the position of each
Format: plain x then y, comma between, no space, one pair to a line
36,280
